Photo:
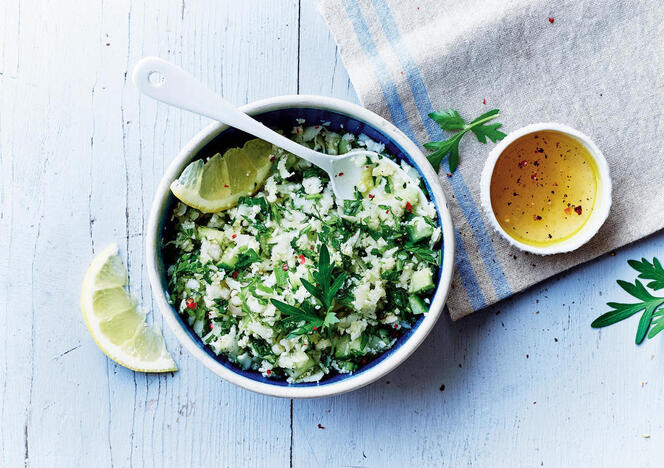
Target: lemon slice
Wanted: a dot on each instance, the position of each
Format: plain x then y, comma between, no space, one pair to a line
217,184
114,321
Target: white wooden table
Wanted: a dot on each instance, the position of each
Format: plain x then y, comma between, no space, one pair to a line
526,383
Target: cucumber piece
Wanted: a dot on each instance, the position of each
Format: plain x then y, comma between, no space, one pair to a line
421,281
332,142
345,347
211,234
301,364
417,305
366,182
229,258
419,229
346,366
342,347
345,144
281,277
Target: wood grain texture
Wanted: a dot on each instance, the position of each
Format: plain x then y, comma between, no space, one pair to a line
525,383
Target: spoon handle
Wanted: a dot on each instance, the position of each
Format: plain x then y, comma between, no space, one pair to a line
166,82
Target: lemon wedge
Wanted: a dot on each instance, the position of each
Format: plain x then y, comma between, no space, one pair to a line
114,320
217,184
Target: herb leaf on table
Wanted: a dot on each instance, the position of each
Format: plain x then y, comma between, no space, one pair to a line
324,291
652,319
451,120
650,271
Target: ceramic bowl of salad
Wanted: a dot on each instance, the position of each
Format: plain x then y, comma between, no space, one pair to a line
286,291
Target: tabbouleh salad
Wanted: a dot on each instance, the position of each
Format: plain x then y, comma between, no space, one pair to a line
297,287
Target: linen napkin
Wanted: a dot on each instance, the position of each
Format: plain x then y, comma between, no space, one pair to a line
597,66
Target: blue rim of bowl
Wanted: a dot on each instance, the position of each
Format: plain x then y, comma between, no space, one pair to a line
231,137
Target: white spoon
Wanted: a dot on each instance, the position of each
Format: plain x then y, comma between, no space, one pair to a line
168,83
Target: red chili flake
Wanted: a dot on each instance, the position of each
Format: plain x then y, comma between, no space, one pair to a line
484,101
340,174
302,259
284,267
226,185
320,426
537,217
409,207
534,402
317,127
568,210
268,372
387,211
395,326
551,20
272,157
578,210
311,247
210,326
191,304
527,356
533,176
523,163
235,273
372,196
449,174
234,236
366,167
315,328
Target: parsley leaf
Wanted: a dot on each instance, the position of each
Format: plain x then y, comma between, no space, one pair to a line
246,258
652,319
424,254
297,315
650,271
305,317
254,201
451,120
448,119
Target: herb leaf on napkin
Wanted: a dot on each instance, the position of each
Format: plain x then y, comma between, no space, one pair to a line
451,120
652,319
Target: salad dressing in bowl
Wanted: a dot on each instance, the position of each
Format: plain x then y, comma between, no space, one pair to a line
543,188
546,188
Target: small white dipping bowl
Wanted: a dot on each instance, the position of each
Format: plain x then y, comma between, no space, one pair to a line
281,112
602,199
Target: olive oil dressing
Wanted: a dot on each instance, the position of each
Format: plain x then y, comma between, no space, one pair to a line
543,188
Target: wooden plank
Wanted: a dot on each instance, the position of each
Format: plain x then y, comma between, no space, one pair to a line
321,70
81,157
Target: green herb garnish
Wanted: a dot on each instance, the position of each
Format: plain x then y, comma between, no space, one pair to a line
652,319
451,120
307,318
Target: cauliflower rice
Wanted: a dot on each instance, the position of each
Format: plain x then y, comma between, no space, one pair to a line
233,274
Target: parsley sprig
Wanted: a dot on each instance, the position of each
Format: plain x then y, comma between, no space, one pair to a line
652,319
305,317
451,120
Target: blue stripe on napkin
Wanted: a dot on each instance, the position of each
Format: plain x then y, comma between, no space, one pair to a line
398,115
459,186
424,106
